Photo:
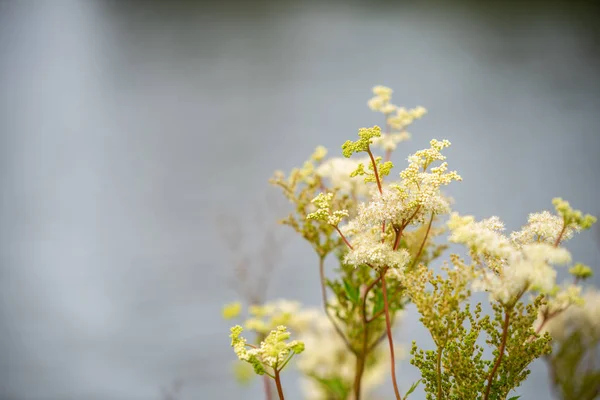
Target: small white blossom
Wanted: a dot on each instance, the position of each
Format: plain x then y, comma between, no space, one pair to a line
337,171
541,227
512,269
390,141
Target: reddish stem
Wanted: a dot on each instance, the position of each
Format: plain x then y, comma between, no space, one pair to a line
344,238
422,243
397,240
500,354
562,232
267,385
388,327
364,303
375,170
278,384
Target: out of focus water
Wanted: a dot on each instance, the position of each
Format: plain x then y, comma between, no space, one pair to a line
128,127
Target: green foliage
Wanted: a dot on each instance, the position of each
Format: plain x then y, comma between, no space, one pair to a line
574,369
365,136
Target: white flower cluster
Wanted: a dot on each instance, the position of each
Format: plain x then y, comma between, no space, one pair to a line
512,267
264,318
272,352
390,141
337,170
381,101
323,212
404,117
584,319
410,201
542,227
397,118
369,249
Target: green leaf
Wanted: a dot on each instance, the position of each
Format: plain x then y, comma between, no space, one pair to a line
515,398
378,303
335,386
412,388
351,292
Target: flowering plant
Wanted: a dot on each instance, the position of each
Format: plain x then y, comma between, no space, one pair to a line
383,232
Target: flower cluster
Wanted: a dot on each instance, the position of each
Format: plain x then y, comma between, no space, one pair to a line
263,318
381,232
338,171
323,213
397,118
274,352
584,318
412,200
525,260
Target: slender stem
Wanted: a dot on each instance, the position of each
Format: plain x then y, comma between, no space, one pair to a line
287,361
375,170
547,317
500,353
380,338
364,302
278,384
324,298
397,240
344,238
380,313
422,243
361,358
560,235
267,386
388,327
401,228
439,372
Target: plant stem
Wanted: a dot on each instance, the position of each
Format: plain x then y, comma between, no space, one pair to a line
267,385
364,302
375,171
344,238
439,372
278,384
416,260
388,327
500,353
397,240
324,298
360,367
560,235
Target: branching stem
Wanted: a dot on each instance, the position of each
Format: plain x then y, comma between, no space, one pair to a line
418,255
344,238
500,353
324,298
278,384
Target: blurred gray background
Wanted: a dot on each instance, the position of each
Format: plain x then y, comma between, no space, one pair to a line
127,128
